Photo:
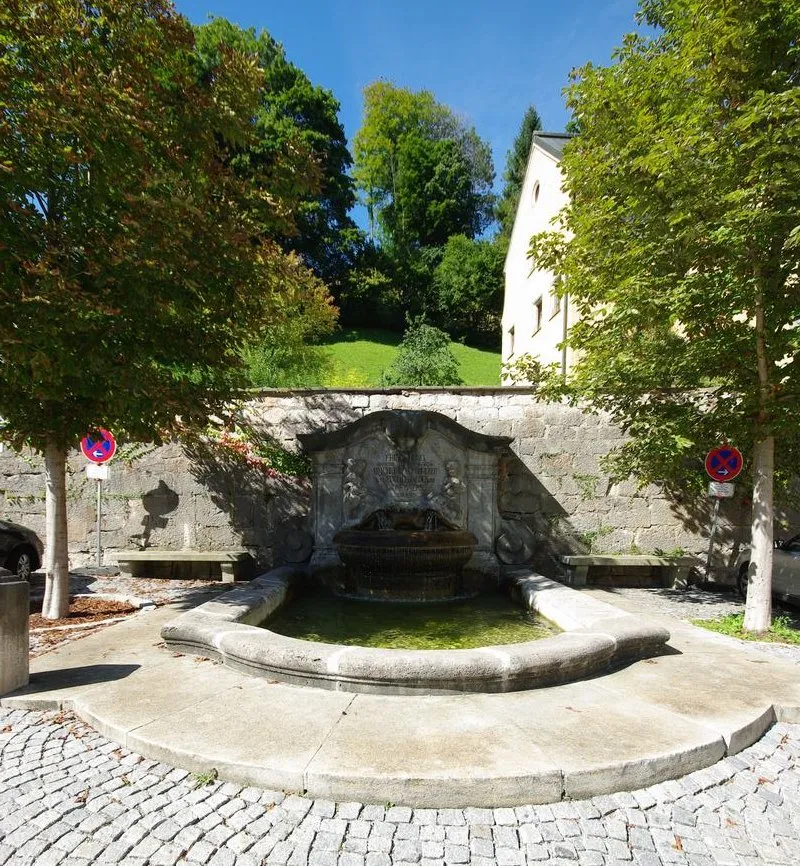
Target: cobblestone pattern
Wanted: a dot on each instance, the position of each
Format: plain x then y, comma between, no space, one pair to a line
70,796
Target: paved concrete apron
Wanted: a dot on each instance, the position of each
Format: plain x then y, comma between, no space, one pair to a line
70,796
654,720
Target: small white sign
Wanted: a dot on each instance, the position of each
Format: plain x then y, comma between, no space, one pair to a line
99,471
721,489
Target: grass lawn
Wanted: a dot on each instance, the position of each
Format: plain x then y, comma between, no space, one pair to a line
360,355
784,628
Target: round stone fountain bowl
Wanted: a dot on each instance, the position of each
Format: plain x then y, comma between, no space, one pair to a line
404,565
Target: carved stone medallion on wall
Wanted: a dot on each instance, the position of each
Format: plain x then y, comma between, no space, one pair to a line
406,461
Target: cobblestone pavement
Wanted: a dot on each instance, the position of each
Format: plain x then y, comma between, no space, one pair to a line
69,796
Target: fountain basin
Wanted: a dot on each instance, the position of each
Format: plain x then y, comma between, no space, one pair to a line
404,565
404,555
597,638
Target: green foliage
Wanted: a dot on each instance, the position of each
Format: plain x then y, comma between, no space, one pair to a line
684,184
399,125
238,441
527,370
130,452
282,362
359,356
372,297
587,484
201,780
468,289
293,114
591,538
133,260
424,176
285,356
424,358
514,175
433,195
784,629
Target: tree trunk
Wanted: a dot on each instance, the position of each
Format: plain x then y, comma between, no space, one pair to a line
758,611
56,591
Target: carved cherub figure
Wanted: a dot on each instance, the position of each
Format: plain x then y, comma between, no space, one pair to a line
452,490
354,487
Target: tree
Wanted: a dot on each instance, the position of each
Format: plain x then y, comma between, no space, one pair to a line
424,175
468,289
514,175
292,112
287,356
423,358
132,255
684,185
411,148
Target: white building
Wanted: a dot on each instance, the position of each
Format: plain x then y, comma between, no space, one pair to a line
535,320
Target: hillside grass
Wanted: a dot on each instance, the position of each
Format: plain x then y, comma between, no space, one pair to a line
360,355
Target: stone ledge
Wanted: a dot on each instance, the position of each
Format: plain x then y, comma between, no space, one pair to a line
629,559
675,569
153,555
597,638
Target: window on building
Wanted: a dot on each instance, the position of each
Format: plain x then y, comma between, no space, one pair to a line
536,192
511,342
556,297
537,316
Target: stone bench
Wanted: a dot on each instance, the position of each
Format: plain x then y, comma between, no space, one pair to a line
674,570
228,560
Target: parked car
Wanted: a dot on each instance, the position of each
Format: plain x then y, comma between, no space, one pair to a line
21,550
785,570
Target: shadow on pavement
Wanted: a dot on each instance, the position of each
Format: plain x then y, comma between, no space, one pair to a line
59,678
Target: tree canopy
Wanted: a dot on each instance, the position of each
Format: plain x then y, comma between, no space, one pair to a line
294,113
468,288
425,176
684,185
514,174
423,173
135,261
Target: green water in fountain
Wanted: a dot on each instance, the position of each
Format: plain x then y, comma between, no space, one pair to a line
462,624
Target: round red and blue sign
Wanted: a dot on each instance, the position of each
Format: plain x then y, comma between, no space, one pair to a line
724,463
99,447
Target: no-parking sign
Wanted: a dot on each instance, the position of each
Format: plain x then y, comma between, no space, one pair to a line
99,447
724,463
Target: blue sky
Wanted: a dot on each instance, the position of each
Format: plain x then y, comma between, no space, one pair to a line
486,60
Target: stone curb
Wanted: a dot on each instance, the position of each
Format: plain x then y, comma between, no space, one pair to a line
597,636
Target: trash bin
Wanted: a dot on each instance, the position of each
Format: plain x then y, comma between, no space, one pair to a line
14,642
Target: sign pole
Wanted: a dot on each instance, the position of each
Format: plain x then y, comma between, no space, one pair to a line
98,450
99,516
714,521
723,464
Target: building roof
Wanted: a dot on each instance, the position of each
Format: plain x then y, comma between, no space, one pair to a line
552,142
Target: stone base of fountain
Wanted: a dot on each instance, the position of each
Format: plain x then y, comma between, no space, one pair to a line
400,555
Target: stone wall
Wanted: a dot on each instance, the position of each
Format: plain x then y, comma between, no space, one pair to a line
175,497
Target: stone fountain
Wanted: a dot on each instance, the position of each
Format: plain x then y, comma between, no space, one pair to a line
405,507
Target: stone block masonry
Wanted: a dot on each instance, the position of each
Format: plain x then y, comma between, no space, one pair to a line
174,497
